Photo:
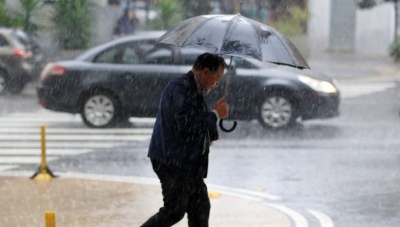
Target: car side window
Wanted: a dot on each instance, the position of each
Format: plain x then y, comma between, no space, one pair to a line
241,63
161,56
106,57
127,53
189,59
3,41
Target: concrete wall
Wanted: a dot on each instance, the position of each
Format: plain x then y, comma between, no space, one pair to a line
375,29
373,32
105,18
342,25
318,25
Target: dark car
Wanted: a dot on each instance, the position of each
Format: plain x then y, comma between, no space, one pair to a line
20,59
125,77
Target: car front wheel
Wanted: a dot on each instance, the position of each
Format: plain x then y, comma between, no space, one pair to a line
277,111
100,110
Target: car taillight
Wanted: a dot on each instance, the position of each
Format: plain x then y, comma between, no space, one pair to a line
24,54
42,103
51,69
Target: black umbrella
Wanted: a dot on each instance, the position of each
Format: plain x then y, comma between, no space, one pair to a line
234,35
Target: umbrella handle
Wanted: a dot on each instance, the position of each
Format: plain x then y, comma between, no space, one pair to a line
227,130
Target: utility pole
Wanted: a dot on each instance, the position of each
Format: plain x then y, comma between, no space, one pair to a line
396,21
237,6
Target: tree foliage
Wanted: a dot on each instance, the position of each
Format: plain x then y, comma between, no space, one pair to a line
294,22
368,4
8,20
28,8
73,21
169,14
20,17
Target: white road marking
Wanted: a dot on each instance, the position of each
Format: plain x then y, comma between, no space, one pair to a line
359,89
76,137
18,151
50,130
55,144
298,219
23,159
324,220
20,137
7,167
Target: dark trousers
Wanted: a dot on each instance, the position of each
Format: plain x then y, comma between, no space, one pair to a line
182,194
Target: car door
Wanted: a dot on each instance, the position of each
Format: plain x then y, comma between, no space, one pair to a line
241,90
140,74
157,67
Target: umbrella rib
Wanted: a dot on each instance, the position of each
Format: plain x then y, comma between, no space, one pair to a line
197,28
258,37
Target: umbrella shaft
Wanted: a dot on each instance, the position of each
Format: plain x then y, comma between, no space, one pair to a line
228,77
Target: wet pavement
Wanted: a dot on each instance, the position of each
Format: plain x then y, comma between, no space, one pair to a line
350,66
104,202
99,202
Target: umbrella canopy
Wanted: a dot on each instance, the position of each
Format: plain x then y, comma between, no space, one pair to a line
235,35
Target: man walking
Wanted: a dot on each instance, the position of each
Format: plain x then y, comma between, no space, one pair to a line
179,147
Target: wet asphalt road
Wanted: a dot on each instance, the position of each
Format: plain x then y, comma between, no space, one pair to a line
347,167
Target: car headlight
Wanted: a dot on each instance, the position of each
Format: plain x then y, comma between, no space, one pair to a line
318,85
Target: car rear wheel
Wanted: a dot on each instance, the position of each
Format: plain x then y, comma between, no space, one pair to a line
10,86
3,82
100,110
277,111
16,87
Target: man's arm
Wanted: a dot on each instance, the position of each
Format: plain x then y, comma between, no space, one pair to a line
189,116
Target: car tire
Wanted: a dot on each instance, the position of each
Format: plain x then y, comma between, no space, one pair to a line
100,110
3,82
277,111
16,87
10,86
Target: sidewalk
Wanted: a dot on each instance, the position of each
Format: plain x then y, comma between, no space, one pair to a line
351,66
94,203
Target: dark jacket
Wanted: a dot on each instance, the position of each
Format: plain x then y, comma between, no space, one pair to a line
182,126
125,26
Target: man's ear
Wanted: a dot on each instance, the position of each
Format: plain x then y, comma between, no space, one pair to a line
206,71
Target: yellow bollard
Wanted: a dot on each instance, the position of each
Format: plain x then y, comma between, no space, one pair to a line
43,172
50,218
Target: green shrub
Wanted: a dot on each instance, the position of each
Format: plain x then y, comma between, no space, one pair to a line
169,14
294,22
394,50
9,20
29,7
73,22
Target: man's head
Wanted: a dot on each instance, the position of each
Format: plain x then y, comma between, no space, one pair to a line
209,70
129,13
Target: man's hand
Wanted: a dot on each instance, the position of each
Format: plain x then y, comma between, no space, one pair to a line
222,108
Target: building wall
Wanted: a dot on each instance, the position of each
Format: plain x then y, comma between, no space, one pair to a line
342,26
318,25
373,30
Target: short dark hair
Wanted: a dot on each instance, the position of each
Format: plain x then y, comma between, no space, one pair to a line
210,61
